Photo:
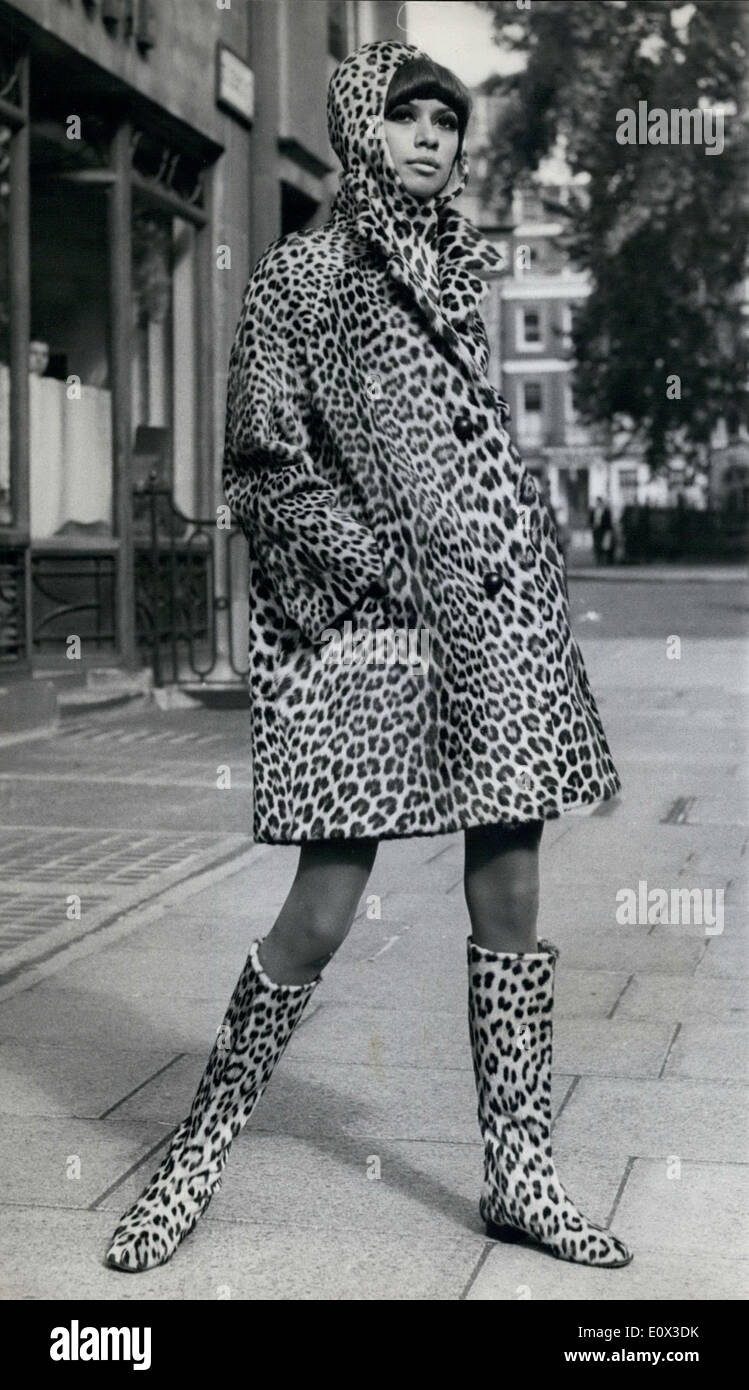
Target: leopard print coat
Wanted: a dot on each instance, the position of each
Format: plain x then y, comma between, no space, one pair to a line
412,668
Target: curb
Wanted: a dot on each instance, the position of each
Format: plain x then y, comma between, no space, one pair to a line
120,920
639,575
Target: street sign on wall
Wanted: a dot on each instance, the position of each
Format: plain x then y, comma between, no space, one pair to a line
235,84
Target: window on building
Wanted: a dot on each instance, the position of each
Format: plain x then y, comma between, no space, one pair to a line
531,411
532,206
570,316
70,387
337,28
628,485
530,328
736,484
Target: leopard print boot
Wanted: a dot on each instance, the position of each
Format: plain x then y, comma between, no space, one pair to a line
258,1024
510,1002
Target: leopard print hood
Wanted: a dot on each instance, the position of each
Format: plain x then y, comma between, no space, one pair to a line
372,196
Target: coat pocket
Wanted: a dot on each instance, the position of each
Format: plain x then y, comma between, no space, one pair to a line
300,658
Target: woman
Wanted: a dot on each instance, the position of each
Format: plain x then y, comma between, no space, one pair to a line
368,464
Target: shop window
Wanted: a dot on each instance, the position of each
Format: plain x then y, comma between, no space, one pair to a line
6,516
69,367
337,29
164,394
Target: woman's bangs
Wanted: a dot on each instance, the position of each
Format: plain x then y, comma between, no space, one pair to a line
423,79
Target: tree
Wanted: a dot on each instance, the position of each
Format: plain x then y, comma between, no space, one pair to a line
661,228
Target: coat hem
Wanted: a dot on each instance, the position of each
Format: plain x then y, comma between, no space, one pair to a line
446,828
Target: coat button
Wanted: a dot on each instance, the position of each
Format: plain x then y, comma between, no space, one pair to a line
528,491
464,427
493,582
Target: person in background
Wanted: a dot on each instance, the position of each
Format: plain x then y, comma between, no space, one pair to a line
38,357
602,527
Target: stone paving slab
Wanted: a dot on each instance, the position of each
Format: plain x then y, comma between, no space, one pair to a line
125,972
426,967
427,908
679,840
353,1034
428,1187
725,959
579,993
72,1078
704,928
609,1047
361,1036
692,1208
62,1162
314,1098
510,1273
224,934
49,1254
676,997
164,1021
709,1049
660,867
621,949
173,932
700,1120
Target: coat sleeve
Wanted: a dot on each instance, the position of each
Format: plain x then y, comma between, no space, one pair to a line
316,556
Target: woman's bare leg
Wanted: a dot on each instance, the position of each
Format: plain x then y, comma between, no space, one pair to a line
321,905
502,885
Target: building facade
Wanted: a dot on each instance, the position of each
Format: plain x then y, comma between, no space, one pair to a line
530,312
149,151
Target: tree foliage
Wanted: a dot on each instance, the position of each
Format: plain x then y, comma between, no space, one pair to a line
662,229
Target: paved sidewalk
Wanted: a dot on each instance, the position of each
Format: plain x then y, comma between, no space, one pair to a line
358,1175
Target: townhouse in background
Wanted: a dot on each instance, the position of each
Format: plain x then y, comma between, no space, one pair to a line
530,313
149,151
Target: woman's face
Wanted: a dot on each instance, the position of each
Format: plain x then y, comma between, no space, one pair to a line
422,137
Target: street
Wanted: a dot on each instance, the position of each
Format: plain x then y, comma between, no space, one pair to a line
131,892
633,609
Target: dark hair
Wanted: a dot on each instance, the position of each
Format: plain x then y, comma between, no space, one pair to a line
422,77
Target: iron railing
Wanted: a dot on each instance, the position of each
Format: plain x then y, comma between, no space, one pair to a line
183,573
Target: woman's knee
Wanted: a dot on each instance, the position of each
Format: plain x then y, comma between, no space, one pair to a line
322,902
511,895
320,934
